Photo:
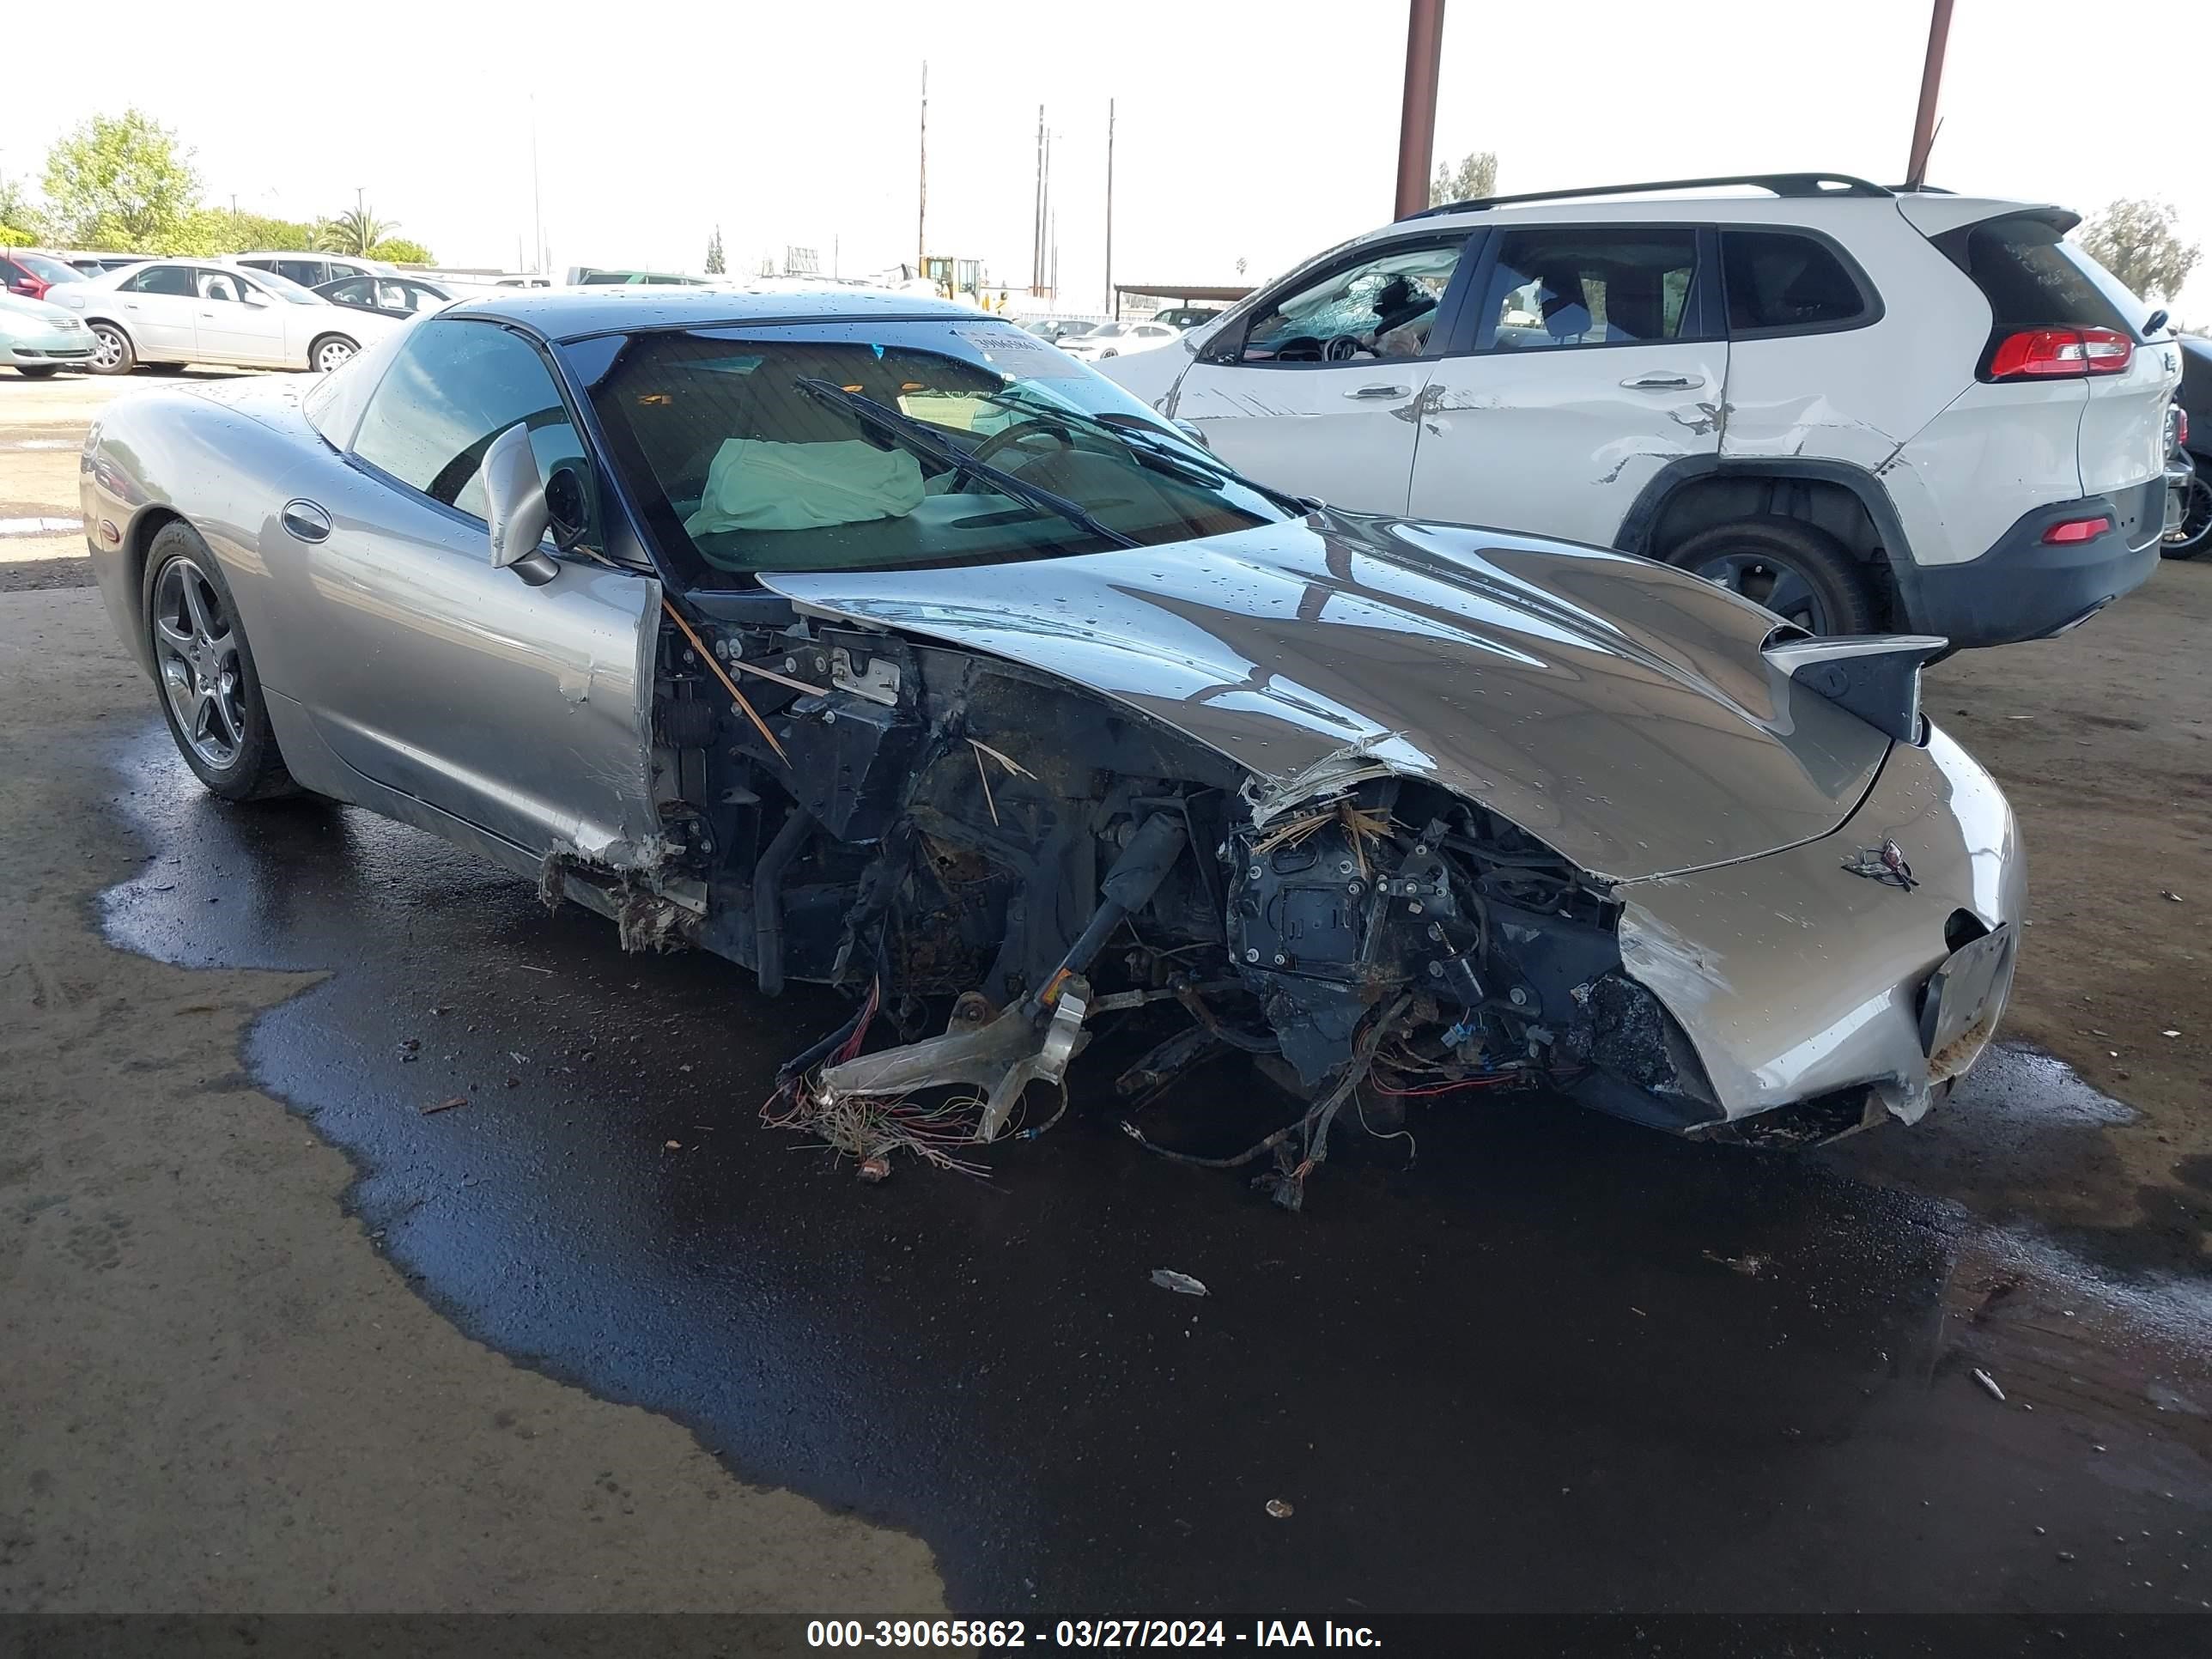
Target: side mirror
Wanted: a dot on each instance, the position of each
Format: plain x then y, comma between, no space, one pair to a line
256,299
515,507
1192,430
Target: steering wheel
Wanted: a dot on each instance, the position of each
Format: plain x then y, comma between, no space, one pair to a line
1034,426
1341,350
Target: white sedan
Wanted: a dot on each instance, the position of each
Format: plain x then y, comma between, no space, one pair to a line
208,310
1117,339
37,338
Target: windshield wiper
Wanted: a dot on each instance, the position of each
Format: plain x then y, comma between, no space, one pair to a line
920,435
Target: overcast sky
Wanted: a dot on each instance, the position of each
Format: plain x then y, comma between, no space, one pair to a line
1261,132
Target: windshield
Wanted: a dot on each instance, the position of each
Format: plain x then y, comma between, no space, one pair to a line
47,270
1104,330
877,446
285,289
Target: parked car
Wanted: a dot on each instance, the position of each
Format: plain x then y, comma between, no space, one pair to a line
1117,339
208,311
1181,317
312,271
598,277
1057,329
98,264
1862,409
36,338
1374,797
2187,538
388,297
29,274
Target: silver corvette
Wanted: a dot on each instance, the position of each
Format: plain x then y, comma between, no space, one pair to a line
873,642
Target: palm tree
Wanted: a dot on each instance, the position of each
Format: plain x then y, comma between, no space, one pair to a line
355,231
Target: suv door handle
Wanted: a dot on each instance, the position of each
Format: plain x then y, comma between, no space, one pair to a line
1380,391
305,521
1664,382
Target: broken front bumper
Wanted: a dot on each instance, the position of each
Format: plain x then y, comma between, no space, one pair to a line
1808,971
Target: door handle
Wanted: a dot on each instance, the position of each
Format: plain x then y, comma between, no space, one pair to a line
1664,382
305,521
1380,391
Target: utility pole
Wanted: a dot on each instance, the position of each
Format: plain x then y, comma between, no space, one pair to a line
1051,226
921,207
1417,117
1036,215
1113,300
536,207
1931,82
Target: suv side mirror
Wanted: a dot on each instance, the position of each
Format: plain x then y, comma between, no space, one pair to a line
515,507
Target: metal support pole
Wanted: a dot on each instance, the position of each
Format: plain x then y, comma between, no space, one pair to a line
1417,119
1113,299
1931,82
922,194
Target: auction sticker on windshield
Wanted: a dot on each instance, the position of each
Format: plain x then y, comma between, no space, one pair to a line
1009,349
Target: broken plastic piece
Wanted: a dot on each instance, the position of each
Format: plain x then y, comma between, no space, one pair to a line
1168,1280
1001,1058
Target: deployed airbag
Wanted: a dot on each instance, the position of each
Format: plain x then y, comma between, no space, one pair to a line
754,483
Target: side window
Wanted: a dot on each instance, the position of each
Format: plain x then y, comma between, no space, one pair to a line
1384,305
216,285
162,279
308,273
454,386
354,293
1577,287
1778,280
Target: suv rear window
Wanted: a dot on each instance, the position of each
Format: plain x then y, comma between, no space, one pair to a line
2033,278
1778,280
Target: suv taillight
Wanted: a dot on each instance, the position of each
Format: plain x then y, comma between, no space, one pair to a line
2047,354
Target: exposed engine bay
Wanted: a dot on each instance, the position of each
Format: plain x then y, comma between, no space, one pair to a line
992,863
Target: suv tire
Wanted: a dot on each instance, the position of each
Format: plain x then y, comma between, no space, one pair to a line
1794,570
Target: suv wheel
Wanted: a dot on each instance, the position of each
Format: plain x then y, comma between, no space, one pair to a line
1800,573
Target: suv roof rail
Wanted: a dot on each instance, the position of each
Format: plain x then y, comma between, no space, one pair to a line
1782,184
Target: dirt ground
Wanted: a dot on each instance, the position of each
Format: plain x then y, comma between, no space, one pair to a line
202,1344
217,1395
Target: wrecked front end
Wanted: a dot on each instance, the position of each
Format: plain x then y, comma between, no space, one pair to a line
995,864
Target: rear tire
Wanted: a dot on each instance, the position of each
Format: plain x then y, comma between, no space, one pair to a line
112,350
211,691
36,371
331,351
1800,572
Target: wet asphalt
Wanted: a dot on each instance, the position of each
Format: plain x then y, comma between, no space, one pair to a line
1558,1363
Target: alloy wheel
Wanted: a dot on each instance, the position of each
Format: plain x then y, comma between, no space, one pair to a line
332,354
106,348
196,649
1766,581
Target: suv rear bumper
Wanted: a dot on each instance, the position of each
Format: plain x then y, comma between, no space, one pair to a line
2025,588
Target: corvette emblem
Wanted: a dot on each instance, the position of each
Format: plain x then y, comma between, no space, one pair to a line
1884,863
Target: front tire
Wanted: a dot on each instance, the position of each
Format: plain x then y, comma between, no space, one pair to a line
112,350
211,691
332,351
36,371
1800,572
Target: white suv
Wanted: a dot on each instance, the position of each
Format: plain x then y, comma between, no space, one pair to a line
1865,408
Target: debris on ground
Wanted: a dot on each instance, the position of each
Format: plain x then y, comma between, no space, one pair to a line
872,1127
1989,1385
876,1168
445,1105
1749,1266
1168,1280
673,1146
1279,1509
2170,895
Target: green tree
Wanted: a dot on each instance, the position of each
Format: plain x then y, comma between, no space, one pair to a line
355,231
716,266
399,250
1475,175
17,212
2135,240
120,182
14,235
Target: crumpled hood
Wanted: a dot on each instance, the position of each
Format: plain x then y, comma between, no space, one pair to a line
1616,708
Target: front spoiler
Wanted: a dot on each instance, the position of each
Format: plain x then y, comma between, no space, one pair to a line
1802,974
